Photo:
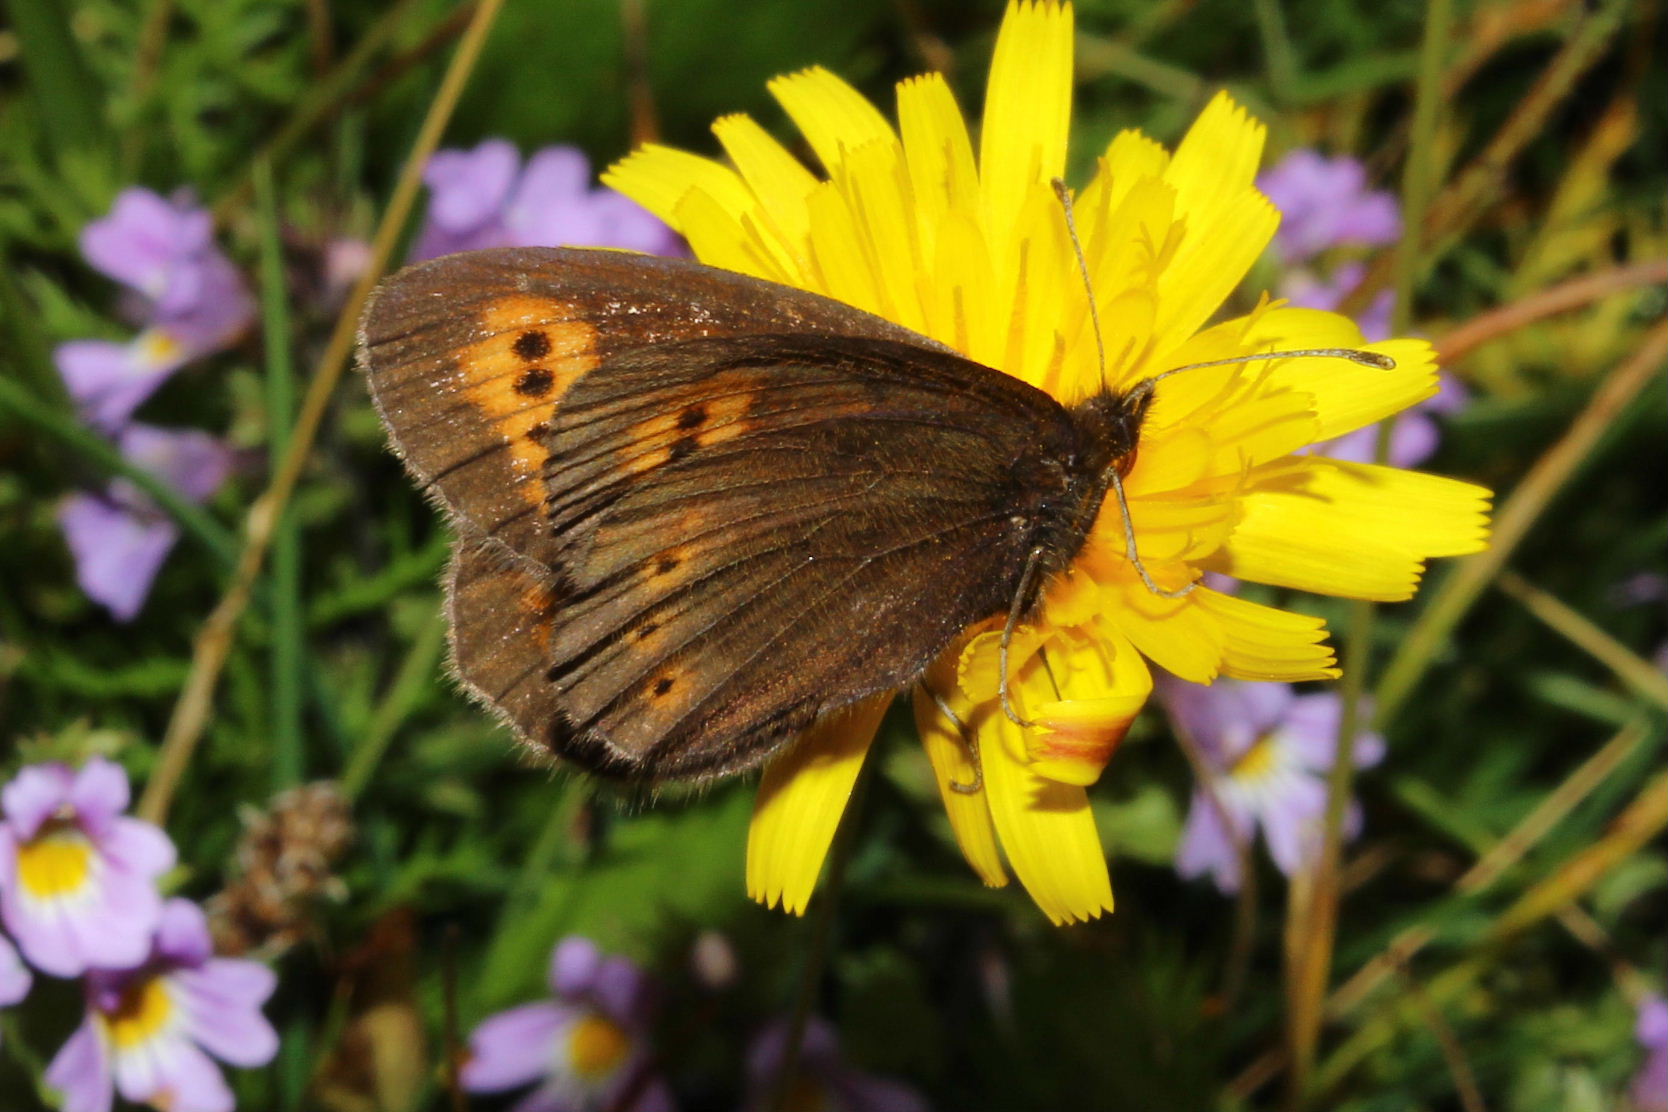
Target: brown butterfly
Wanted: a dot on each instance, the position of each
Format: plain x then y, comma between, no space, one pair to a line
697,511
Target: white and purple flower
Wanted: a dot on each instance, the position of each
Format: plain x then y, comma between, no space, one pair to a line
77,876
152,1033
1325,203
15,978
484,197
119,537
1271,751
584,1050
192,302
823,1081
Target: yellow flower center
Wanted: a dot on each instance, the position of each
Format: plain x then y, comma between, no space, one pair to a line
142,1011
1258,761
55,862
158,346
596,1047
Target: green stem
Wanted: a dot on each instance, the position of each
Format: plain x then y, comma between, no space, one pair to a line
288,621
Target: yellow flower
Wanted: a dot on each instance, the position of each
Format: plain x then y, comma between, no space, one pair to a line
974,252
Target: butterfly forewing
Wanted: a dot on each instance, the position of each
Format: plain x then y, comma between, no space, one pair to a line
699,510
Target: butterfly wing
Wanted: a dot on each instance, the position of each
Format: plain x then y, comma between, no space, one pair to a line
468,356
739,508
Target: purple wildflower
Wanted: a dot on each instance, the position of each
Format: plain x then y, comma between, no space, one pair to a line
1271,751
150,1032
14,975
119,538
585,1049
194,303
822,1078
485,198
77,877
1650,1085
1324,203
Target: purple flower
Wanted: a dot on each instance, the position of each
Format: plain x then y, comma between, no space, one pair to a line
585,1049
120,537
195,303
77,877
822,1079
149,1032
1324,203
1271,751
14,975
1650,1085
1307,290
485,198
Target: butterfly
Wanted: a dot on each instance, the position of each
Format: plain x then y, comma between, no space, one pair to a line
697,511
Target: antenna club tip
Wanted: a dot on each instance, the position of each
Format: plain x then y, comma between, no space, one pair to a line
1374,359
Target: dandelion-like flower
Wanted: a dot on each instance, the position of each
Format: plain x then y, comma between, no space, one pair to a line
585,1049
973,251
77,877
150,1032
1268,752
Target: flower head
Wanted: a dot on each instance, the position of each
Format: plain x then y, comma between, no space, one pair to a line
151,1033
1324,203
972,250
78,877
1267,752
194,303
120,537
1649,1089
485,198
823,1081
585,1049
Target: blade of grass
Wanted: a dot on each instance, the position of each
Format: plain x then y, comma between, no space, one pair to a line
191,711
1629,667
414,675
1468,196
1573,294
1312,905
288,622
65,93
1453,599
1643,819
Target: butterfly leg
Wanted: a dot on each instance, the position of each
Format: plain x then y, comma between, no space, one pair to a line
1032,562
968,738
1129,546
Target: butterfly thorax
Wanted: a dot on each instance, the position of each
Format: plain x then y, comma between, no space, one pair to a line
1106,428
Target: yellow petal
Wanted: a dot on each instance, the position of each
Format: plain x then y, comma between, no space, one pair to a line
952,762
833,116
1262,643
659,177
1046,828
942,173
801,797
775,176
1102,685
1351,529
1027,110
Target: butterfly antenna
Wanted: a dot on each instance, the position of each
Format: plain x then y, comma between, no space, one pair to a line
1064,194
1376,360
968,739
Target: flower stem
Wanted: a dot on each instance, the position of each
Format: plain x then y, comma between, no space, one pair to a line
191,711
288,623
1312,908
